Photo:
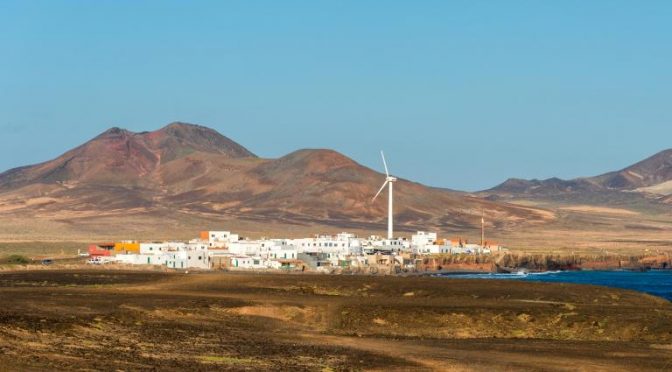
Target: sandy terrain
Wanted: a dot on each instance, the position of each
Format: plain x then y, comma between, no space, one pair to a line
109,319
600,210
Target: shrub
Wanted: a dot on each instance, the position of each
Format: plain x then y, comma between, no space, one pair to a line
17,259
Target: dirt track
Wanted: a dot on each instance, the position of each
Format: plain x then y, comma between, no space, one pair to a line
107,320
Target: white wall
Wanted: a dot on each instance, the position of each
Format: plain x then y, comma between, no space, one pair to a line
198,258
244,247
249,262
142,259
221,238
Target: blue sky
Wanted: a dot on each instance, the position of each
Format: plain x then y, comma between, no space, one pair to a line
460,94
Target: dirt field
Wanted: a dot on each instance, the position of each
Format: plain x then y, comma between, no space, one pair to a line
575,229
117,320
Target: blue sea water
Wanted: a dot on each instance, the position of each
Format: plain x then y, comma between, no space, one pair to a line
655,282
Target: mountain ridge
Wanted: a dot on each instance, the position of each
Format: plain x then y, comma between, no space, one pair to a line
184,171
643,176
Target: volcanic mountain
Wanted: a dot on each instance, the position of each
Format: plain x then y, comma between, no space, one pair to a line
119,157
186,176
652,176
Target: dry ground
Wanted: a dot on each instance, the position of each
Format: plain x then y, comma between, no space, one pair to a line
578,228
114,320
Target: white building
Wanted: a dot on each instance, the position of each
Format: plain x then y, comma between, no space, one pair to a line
246,262
177,260
386,245
142,259
426,243
282,252
198,258
159,248
343,243
218,238
434,249
245,247
423,238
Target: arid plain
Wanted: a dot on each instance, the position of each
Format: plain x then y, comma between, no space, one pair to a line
118,320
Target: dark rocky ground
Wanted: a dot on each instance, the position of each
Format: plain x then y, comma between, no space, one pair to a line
116,320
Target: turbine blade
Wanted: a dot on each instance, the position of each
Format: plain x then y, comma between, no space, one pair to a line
384,163
379,191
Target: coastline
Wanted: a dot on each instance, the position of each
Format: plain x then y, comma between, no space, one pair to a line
653,282
541,263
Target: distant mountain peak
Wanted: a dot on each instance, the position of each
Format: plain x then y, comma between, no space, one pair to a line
323,155
122,157
178,137
649,172
114,132
178,126
182,124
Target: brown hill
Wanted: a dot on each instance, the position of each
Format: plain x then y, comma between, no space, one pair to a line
516,186
189,177
652,176
118,157
652,171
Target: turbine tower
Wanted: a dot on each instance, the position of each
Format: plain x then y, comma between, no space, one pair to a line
389,181
482,228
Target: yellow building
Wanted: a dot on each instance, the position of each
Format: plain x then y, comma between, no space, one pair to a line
126,247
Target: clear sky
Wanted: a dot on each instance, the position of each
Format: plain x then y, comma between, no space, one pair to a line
460,94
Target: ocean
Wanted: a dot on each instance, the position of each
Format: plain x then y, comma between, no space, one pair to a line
655,282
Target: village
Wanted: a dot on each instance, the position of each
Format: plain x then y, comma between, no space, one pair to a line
322,253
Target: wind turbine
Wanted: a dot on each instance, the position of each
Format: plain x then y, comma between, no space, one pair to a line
482,228
389,181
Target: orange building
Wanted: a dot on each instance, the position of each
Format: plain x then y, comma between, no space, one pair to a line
126,247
